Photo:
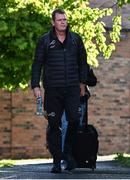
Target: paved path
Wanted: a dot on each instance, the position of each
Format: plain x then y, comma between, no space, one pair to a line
106,169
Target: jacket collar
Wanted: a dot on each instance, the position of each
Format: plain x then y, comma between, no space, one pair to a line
53,34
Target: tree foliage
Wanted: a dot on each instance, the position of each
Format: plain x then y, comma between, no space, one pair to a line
122,2
23,21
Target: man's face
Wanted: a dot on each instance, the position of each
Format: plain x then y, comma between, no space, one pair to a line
60,22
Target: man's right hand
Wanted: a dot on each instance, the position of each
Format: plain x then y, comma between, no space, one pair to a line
37,92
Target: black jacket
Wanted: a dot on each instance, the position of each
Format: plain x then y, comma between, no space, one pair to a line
63,64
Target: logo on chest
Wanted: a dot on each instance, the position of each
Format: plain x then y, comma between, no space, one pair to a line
52,44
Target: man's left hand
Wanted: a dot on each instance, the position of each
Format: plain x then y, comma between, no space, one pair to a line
82,89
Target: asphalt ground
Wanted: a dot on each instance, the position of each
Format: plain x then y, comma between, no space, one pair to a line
107,168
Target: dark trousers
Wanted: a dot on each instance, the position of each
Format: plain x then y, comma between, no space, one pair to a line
56,101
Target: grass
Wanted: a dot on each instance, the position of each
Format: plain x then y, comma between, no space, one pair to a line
123,159
7,163
13,162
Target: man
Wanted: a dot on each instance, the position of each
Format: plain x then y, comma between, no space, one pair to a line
64,67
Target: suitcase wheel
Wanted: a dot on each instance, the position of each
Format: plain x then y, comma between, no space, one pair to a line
93,168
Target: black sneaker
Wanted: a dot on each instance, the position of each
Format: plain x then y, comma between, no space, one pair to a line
70,163
56,168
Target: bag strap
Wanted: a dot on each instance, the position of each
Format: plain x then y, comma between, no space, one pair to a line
74,39
84,108
46,42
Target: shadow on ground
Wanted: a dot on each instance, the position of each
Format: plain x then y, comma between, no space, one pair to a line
104,170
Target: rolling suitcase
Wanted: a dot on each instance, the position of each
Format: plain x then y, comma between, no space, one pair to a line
85,146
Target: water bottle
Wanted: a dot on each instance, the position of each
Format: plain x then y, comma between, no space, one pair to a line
39,111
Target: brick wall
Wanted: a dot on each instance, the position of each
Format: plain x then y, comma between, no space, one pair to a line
22,133
5,124
109,106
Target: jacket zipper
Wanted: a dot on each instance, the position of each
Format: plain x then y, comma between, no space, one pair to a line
64,52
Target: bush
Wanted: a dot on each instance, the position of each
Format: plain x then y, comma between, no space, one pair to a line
124,159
